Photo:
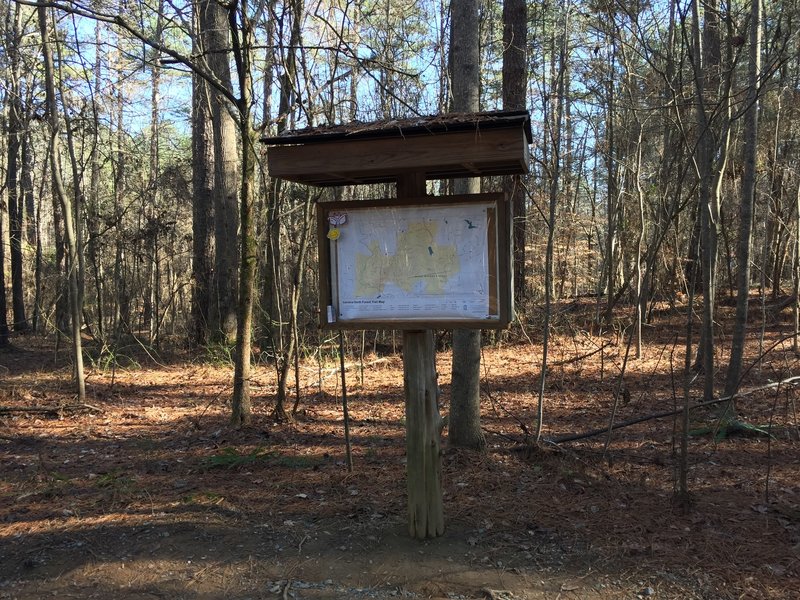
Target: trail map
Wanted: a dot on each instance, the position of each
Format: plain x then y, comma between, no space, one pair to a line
413,262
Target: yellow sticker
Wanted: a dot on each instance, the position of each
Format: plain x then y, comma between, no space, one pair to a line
333,234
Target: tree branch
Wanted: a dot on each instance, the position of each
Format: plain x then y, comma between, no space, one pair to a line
669,413
78,9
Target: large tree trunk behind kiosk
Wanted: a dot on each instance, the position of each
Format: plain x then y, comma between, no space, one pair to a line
464,428
423,422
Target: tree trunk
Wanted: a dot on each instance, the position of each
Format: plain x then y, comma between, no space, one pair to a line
464,428
3,302
122,308
555,128
33,225
15,132
216,36
66,204
796,274
611,263
738,339
93,203
712,151
242,50
515,87
281,337
77,187
202,210
641,300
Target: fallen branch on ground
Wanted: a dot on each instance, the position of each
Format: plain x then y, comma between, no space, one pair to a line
669,413
568,361
49,410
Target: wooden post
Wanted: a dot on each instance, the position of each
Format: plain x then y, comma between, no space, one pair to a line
423,422
423,427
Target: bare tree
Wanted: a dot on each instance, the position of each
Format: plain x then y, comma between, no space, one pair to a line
64,200
733,375
14,134
515,87
713,124
560,41
3,304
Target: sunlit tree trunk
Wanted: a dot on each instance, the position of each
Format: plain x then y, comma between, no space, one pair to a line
275,328
611,258
78,199
152,291
3,302
464,427
640,300
738,339
712,114
93,200
242,41
515,87
554,168
64,200
215,33
202,208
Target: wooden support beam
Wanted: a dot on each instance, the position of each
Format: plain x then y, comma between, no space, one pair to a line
423,422
423,442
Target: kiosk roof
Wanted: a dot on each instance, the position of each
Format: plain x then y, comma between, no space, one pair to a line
441,146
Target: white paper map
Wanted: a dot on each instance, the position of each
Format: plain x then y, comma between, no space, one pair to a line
414,262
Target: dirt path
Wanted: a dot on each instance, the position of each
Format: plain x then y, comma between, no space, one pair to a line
163,558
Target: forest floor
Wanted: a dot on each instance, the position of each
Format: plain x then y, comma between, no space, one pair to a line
148,493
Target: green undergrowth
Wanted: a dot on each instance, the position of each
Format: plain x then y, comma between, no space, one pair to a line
732,428
231,458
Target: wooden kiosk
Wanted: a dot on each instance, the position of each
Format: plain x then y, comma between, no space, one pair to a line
414,262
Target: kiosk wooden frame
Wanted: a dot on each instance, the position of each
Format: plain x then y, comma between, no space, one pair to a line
410,152
498,262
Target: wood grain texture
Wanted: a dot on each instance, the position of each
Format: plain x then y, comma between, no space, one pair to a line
423,445
434,156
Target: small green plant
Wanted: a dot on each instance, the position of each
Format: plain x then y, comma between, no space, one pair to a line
298,462
118,486
115,480
219,353
110,358
723,432
230,458
51,485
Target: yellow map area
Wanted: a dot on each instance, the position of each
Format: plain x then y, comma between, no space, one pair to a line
417,259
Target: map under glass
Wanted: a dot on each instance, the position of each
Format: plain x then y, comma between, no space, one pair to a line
415,262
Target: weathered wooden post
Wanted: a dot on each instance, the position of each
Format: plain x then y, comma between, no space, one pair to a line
423,421
423,436
414,262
